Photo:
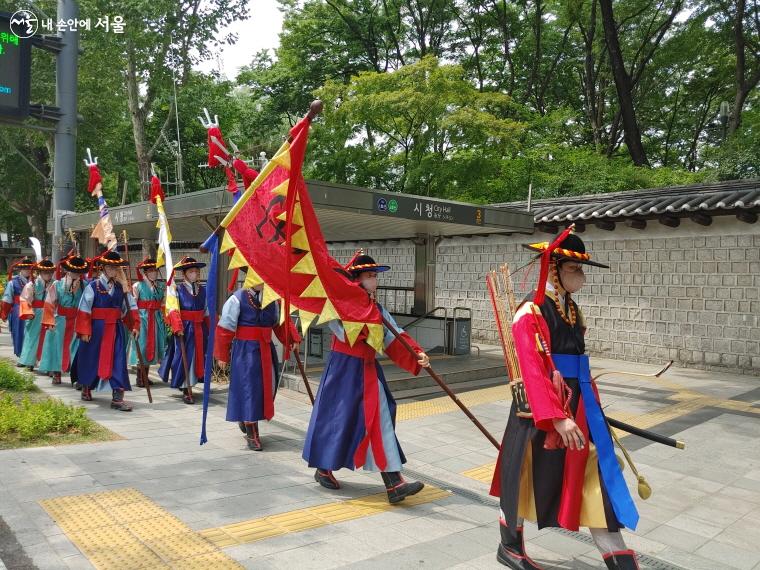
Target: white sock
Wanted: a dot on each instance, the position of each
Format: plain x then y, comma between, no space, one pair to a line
607,541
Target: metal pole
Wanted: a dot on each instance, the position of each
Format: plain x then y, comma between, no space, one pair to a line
66,128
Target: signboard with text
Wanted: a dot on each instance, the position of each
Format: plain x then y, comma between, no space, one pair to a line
416,208
15,59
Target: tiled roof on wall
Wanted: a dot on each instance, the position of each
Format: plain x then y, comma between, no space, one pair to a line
700,202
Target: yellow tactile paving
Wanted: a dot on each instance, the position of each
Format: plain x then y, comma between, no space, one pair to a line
483,473
124,529
312,517
444,404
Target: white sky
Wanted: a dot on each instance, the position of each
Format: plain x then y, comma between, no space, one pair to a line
260,31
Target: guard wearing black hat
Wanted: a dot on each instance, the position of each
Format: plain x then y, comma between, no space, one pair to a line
353,421
188,319
59,315
32,303
10,307
101,359
548,471
150,297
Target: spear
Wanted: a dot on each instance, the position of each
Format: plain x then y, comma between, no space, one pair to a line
444,387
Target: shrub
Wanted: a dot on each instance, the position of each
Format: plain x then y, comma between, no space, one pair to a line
30,420
15,379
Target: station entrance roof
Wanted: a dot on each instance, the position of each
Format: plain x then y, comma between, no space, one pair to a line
346,213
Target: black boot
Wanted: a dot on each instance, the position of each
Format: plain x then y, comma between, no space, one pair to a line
86,393
188,396
241,425
56,377
511,550
252,437
326,479
621,560
118,403
398,489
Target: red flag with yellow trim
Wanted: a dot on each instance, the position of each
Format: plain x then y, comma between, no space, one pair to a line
276,211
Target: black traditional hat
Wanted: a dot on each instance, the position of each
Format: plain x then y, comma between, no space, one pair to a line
571,248
362,263
25,262
188,263
75,264
45,265
111,258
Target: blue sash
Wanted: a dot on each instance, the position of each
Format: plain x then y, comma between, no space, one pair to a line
577,366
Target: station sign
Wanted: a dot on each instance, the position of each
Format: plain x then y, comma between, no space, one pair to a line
416,208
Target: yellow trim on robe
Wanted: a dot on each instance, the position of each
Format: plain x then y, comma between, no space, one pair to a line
592,505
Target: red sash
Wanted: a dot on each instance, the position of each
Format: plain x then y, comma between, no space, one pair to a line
196,318
264,337
43,331
70,313
373,431
150,343
16,299
109,316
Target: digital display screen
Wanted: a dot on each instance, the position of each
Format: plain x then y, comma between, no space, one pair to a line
14,71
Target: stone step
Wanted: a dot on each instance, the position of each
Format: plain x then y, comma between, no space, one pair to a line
427,392
455,371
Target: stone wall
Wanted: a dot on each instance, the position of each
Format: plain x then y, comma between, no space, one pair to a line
690,293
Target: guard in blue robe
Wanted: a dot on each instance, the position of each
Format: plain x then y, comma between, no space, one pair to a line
247,328
101,359
188,319
353,421
11,303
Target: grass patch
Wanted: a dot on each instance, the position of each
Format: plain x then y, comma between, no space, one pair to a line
15,379
29,418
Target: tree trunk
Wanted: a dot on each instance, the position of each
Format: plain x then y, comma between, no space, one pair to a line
623,87
743,84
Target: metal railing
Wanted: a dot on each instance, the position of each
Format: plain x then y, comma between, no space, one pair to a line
396,299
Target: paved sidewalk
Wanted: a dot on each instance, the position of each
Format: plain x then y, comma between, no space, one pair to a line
263,510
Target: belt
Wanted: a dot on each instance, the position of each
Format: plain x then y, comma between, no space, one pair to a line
577,366
109,316
70,313
17,299
150,343
196,318
38,304
373,432
262,335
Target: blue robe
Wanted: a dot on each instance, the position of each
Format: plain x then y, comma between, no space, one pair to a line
245,400
11,297
337,424
172,369
99,295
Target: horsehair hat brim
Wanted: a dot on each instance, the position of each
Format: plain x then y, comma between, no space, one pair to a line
113,259
572,248
364,263
75,265
188,263
45,265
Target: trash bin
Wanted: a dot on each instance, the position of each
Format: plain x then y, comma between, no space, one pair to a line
460,330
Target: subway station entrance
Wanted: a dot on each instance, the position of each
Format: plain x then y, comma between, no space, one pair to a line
347,214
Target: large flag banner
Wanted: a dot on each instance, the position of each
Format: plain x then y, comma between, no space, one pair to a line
273,231
103,231
164,252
